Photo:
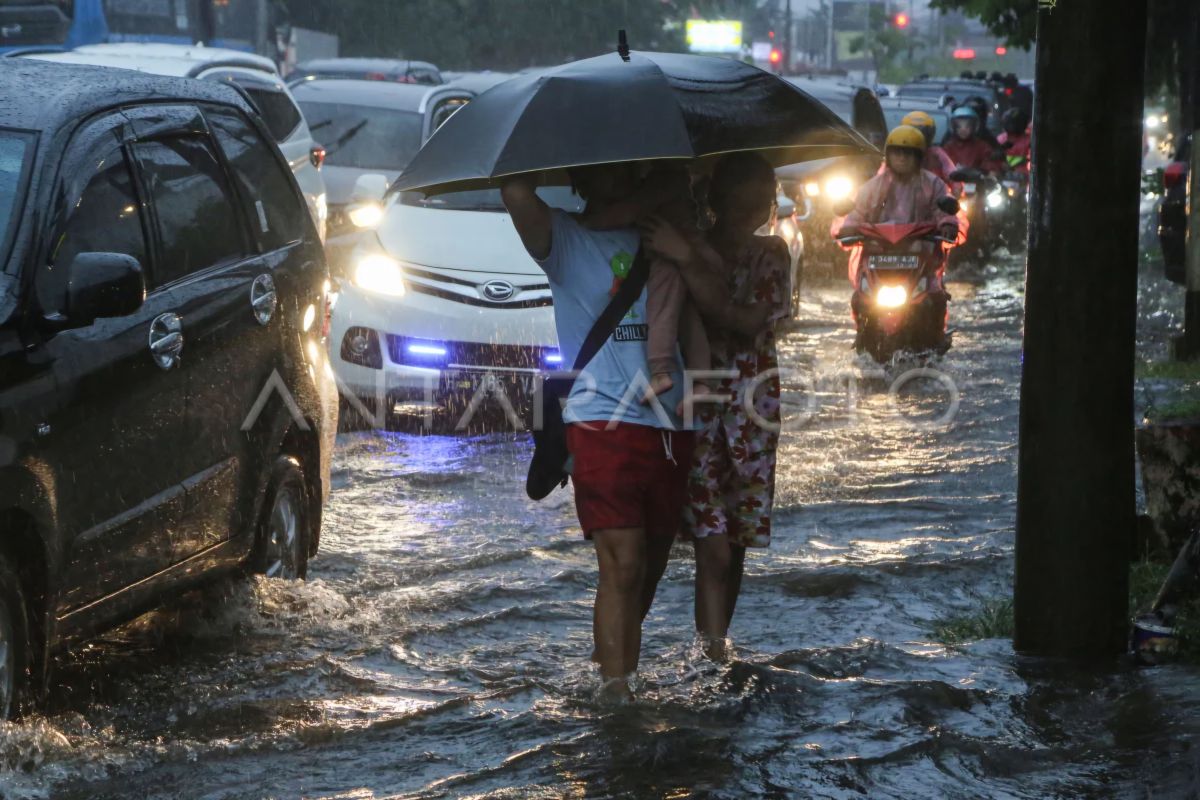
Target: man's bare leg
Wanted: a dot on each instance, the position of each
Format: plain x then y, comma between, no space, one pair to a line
621,553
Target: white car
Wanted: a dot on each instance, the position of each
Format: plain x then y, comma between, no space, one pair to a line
255,76
440,300
368,128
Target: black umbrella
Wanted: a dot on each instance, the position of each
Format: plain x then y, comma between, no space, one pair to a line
626,107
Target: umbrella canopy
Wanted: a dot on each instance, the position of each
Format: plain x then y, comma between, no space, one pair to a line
608,109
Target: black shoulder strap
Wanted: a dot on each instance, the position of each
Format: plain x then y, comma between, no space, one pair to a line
628,293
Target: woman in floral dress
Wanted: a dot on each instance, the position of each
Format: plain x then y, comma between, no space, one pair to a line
732,482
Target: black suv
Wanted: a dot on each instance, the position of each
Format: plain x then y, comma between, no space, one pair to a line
166,410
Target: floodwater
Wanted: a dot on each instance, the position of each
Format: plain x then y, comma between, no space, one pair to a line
440,646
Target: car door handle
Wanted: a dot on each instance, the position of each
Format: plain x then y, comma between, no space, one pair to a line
166,340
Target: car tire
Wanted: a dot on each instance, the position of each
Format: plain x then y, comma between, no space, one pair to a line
285,527
15,650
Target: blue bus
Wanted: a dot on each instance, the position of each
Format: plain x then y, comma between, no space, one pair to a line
249,25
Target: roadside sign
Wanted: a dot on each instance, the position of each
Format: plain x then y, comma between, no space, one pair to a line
714,35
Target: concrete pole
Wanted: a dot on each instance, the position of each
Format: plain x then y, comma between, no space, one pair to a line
829,44
1075,484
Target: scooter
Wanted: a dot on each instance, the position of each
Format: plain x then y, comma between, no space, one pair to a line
1014,183
900,301
984,201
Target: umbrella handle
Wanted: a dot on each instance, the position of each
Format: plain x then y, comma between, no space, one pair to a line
622,45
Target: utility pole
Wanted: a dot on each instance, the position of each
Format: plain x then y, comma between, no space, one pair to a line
787,37
829,51
1075,482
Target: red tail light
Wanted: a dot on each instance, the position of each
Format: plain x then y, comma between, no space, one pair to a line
317,156
1174,174
1008,91
376,76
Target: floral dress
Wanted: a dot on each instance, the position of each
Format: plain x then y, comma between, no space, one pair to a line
731,486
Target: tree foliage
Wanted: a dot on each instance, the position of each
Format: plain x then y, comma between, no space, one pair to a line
503,34
1014,21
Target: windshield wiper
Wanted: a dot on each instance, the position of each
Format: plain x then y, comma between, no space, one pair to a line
341,141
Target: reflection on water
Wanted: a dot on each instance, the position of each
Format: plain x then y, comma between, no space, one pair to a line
440,648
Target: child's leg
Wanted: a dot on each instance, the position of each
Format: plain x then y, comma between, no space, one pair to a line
664,303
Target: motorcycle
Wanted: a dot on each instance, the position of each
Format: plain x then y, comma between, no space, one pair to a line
984,201
1014,183
900,301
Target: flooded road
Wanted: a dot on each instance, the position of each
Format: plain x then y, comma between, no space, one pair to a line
439,648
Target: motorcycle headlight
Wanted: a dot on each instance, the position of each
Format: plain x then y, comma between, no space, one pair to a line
380,274
964,205
367,215
995,199
838,188
891,296
812,189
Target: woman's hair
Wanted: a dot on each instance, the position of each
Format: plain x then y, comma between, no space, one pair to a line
737,169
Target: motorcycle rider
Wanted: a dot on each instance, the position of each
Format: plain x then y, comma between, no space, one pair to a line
903,193
935,160
1017,140
966,147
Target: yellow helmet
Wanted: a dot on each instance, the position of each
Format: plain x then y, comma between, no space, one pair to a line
906,136
918,119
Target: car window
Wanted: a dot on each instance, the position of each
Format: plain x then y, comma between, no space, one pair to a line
195,210
161,17
444,111
364,137
105,220
278,215
277,111
15,152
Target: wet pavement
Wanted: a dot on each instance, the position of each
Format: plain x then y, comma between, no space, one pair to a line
439,648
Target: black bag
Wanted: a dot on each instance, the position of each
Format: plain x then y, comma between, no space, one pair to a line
548,469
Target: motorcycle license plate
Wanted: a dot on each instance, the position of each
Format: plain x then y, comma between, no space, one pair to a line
969,188
894,262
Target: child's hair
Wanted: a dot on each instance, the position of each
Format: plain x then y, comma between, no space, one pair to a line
736,169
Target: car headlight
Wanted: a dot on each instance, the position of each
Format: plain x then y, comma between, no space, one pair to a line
964,205
380,274
812,189
995,199
367,215
891,296
838,188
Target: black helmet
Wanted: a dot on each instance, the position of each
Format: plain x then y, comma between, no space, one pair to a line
980,107
1015,120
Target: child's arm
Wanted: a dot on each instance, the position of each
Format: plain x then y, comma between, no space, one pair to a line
659,187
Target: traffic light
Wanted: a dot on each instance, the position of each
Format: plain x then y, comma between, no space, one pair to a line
901,20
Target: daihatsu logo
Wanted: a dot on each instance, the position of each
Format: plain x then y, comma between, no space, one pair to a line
498,291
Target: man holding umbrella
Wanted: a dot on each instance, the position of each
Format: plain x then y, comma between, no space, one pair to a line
631,459
591,120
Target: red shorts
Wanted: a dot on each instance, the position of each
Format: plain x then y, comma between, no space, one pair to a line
632,476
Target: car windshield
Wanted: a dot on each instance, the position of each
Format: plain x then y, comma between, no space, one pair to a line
364,137
14,152
895,115
489,199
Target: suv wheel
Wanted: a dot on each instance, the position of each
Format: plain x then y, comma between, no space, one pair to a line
14,643
284,531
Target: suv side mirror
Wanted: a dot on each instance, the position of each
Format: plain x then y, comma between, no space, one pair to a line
947,204
103,285
370,188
